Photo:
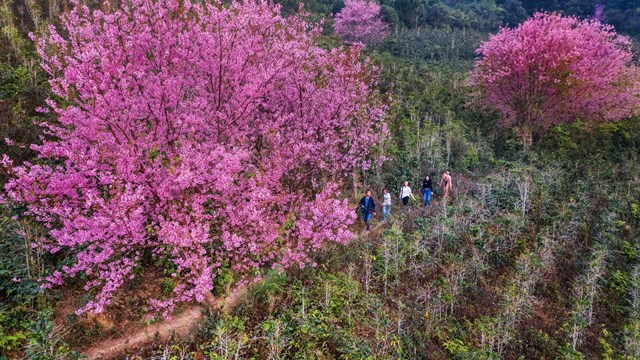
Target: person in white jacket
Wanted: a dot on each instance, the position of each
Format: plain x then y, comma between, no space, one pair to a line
386,205
405,194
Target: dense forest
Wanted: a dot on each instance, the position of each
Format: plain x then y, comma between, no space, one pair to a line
534,255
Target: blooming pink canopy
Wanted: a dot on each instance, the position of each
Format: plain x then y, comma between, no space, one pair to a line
360,21
208,135
553,69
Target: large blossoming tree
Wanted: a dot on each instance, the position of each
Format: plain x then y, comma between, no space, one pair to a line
553,69
213,136
361,21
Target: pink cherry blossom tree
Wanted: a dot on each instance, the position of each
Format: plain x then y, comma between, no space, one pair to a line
360,21
553,69
213,136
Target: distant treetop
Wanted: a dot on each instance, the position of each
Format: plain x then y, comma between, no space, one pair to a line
361,21
553,69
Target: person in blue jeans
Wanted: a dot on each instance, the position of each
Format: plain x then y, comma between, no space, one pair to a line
367,207
386,205
427,191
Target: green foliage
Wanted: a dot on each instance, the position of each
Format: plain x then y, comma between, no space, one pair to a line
224,279
45,340
13,341
13,81
514,12
455,47
390,16
456,347
635,211
607,349
228,339
568,353
167,286
619,282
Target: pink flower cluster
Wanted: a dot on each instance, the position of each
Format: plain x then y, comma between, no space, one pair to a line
206,134
553,69
360,21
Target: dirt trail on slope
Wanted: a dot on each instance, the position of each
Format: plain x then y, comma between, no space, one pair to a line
180,325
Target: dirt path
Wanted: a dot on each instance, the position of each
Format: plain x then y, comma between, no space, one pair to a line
180,325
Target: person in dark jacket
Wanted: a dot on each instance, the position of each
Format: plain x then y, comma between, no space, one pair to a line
367,207
427,191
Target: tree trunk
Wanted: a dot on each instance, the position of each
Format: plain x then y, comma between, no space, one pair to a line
526,136
211,301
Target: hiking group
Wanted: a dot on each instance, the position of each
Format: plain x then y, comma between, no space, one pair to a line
367,205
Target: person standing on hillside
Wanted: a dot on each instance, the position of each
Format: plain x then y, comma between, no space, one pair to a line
386,205
367,207
427,191
405,194
446,183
